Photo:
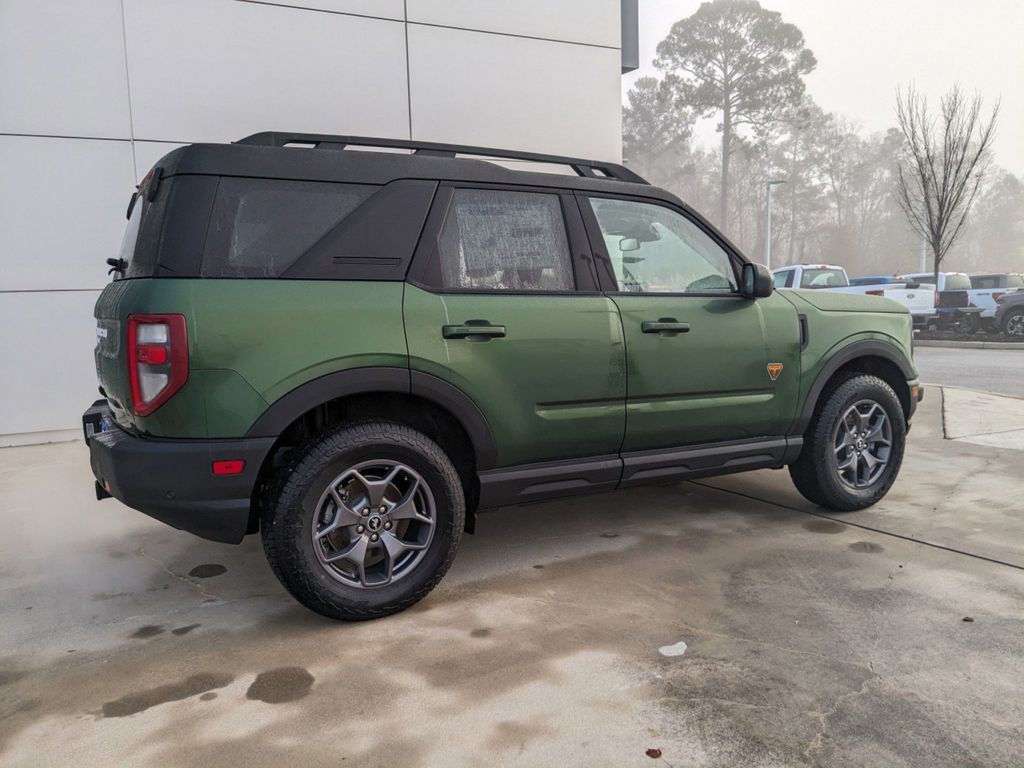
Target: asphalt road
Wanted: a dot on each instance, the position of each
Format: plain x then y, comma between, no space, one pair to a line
990,370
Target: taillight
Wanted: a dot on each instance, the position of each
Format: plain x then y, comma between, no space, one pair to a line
157,359
935,302
874,293
997,296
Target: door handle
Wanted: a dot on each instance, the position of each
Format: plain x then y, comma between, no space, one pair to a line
664,325
481,332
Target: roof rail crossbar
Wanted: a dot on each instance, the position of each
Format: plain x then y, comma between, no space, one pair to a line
587,168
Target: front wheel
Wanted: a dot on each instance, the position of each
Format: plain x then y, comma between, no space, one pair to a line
853,447
366,522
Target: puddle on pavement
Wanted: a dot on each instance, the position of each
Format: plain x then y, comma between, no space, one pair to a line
8,676
866,546
482,632
207,571
823,526
208,696
277,686
134,703
185,630
146,632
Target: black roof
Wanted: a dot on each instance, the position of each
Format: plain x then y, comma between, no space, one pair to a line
315,157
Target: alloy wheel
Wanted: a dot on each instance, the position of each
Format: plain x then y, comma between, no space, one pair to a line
374,523
862,442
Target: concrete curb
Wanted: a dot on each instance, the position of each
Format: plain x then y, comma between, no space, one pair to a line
970,344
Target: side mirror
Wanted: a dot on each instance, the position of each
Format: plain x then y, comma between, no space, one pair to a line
629,244
757,281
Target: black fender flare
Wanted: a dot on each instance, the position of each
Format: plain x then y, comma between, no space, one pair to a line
863,348
359,381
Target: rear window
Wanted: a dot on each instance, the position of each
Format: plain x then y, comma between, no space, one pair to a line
260,227
957,283
131,238
823,278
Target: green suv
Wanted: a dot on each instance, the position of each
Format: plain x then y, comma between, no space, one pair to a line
352,351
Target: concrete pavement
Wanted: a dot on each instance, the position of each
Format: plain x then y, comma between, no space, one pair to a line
809,640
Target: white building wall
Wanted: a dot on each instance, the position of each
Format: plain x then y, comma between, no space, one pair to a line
93,93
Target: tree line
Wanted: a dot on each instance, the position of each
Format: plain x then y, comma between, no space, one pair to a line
867,201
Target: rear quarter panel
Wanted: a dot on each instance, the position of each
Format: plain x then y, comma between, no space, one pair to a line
253,341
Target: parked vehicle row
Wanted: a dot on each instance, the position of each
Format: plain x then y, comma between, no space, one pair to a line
920,300
948,301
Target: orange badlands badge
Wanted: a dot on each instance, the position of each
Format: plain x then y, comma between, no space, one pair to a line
774,369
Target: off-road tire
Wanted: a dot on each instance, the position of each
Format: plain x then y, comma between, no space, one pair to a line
288,518
815,473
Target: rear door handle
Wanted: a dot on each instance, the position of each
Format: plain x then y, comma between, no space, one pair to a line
666,325
481,332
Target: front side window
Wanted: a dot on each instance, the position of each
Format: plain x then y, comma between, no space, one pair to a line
656,250
499,240
984,281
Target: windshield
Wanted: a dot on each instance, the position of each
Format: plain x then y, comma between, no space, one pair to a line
823,278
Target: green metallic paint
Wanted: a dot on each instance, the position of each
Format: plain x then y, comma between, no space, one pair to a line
552,388
831,301
710,383
250,342
555,387
832,330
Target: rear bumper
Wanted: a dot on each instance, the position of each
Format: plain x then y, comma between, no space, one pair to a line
173,481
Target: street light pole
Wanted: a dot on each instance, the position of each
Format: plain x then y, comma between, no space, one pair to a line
768,221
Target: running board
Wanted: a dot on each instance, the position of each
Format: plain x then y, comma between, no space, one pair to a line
527,483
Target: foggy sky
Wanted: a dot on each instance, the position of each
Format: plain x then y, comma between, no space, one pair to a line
865,49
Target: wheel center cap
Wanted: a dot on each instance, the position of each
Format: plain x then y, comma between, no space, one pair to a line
860,445
375,523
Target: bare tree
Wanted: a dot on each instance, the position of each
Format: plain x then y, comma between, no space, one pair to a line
944,164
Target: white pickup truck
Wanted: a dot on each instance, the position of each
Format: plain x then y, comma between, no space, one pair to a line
919,299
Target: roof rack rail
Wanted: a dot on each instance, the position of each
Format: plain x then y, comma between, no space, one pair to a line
588,168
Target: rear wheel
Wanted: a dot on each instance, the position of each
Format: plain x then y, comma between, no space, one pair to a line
853,447
1013,323
366,522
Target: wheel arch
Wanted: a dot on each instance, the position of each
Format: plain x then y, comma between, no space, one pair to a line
866,356
429,404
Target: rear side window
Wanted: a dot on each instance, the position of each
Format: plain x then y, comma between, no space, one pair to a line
500,240
985,281
260,227
1015,281
784,279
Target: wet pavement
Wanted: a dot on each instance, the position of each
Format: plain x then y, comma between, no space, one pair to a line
722,622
